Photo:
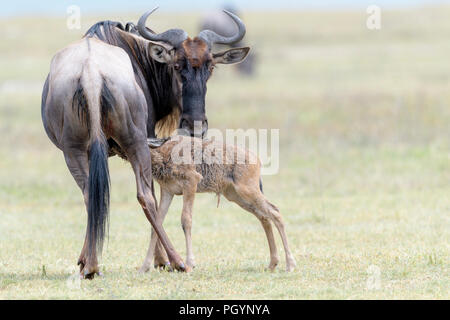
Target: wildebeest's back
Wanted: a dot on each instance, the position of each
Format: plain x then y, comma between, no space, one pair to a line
83,77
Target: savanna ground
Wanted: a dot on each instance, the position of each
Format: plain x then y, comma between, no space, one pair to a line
364,179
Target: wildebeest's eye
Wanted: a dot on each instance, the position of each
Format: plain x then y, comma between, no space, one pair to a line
210,66
177,67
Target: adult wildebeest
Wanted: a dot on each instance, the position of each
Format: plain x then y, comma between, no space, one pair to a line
115,87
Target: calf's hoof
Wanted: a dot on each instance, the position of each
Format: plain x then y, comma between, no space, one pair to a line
272,265
144,269
290,265
190,264
165,266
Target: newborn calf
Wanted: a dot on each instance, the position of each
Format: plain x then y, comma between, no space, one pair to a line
185,166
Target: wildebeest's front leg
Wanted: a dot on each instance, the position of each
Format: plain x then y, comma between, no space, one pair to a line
139,156
129,129
164,204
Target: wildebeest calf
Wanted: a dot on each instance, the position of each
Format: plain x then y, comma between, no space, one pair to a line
185,166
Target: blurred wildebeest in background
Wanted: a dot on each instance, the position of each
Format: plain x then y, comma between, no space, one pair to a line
220,23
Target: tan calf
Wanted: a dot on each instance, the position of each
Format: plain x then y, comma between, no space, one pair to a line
235,173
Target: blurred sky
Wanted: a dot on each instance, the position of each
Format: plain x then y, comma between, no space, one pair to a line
56,7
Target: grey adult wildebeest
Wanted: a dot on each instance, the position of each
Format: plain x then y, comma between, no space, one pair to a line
114,89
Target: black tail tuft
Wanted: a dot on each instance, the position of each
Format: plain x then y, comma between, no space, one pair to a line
260,185
98,207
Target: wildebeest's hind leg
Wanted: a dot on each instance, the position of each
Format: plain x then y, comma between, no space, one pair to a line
77,162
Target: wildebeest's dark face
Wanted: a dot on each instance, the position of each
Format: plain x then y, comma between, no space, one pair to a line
193,64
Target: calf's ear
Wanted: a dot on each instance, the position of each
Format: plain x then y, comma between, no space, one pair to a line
231,56
160,53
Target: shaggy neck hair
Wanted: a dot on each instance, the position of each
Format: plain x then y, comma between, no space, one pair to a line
156,80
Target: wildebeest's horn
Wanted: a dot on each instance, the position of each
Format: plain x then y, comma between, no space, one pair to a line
172,36
211,37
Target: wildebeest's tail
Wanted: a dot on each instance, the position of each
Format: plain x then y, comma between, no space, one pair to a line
98,205
94,104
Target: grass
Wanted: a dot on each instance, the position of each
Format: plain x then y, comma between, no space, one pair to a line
363,182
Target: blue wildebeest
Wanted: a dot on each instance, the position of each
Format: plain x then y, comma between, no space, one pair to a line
114,89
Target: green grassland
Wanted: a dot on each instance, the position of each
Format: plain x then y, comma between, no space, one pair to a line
364,179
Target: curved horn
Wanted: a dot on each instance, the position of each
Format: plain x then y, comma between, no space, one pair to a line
171,36
211,37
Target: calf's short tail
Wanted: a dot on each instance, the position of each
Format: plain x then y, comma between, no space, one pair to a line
260,185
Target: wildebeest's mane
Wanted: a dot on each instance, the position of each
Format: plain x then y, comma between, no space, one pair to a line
155,78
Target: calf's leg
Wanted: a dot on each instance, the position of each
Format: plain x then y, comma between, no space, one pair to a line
277,219
161,260
244,200
251,199
160,255
270,239
165,201
186,223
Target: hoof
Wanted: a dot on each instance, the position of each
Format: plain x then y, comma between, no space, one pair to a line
90,273
181,267
89,276
291,265
190,264
272,266
143,269
165,266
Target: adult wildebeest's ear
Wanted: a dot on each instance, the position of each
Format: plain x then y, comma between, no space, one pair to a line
230,56
160,53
